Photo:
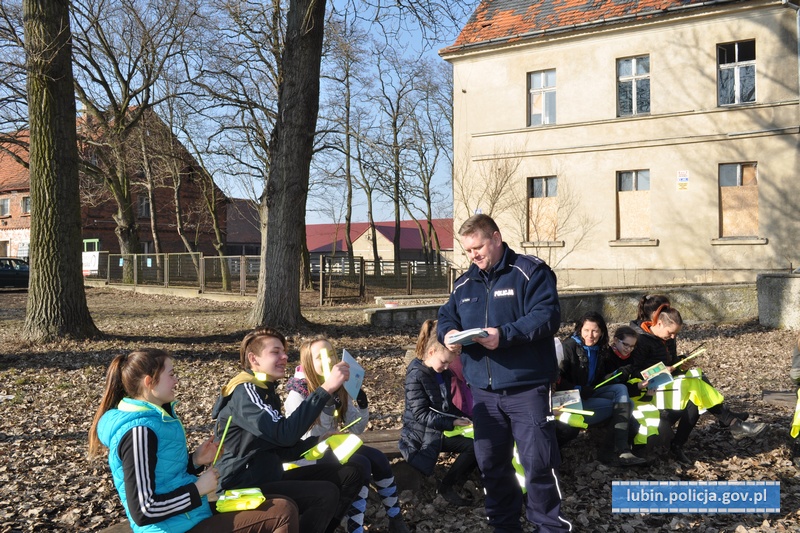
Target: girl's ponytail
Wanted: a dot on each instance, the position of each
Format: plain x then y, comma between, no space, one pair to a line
112,395
648,305
427,337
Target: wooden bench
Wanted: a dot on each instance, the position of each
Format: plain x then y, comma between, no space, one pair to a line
406,476
384,440
778,397
122,527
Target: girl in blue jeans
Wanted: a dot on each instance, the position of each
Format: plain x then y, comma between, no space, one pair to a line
583,367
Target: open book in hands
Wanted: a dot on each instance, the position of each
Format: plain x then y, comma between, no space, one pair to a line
656,376
467,336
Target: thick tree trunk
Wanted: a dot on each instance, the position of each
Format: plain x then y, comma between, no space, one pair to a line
56,298
283,204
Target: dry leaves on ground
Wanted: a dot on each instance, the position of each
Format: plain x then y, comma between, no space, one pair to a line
48,395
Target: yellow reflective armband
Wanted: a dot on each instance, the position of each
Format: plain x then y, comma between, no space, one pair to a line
464,431
342,445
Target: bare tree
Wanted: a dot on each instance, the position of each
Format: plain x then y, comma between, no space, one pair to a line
367,179
183,169
287,156
556,225
13,98
235,75
56,301
283,203
344,75
486,186
432,138
122,49
147,139
396,96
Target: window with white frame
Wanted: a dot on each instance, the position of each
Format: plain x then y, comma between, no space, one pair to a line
633,86
542,209
633,204
4,207
736,72
738,194
633,180
542,97
143,206
26,205
546,187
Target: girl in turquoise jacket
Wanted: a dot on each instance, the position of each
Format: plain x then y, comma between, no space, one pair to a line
162,487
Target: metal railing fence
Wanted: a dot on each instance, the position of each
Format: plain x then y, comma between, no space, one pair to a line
333,276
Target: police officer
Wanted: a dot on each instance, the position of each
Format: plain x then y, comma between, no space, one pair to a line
510,371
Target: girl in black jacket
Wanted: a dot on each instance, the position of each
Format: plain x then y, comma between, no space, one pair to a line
429,411
656,344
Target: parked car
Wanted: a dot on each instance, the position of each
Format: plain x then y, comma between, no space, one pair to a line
13,272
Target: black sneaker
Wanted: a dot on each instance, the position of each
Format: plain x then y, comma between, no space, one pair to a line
679,455
744,415
628,459
451,496
397,524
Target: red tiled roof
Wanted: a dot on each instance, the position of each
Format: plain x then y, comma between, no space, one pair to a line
243,227
323,237
13,175
510,20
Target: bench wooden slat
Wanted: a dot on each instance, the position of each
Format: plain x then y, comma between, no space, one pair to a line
778,397
384,440
381,435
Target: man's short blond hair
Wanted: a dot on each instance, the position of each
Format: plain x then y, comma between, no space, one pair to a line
479,223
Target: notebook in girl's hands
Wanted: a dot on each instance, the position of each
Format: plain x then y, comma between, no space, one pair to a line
353,384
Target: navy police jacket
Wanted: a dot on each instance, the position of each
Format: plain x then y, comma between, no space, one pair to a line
518,296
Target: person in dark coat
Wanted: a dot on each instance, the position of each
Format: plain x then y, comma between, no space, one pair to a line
429,411
512,301
586,355
656,344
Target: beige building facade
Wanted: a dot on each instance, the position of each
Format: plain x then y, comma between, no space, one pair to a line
653,145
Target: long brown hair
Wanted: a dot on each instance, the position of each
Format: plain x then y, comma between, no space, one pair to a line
313,379
124,377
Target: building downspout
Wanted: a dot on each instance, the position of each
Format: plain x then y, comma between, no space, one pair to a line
796,8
